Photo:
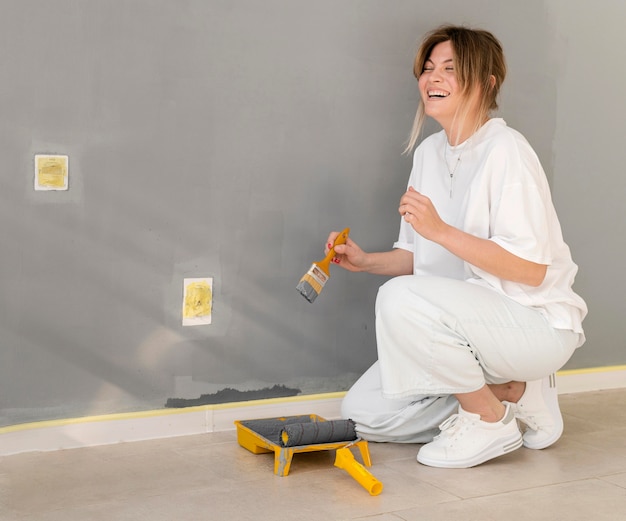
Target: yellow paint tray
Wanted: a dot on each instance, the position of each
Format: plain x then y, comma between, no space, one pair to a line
263,435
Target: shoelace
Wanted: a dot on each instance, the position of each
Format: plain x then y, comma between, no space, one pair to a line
530,422
452,425
528,419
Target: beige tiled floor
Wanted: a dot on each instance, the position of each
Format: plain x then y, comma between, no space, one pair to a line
209,477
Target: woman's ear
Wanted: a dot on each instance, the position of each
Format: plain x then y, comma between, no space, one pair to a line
492,81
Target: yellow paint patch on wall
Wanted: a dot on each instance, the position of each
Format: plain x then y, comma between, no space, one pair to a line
197,301
51,172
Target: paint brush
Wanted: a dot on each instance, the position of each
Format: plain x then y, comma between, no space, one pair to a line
313,281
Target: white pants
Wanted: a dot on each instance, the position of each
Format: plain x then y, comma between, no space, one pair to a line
439,337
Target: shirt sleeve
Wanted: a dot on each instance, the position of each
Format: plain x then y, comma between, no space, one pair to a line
520,223
514,208
406,237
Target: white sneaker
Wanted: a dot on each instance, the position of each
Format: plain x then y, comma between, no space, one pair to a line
539,409
466,440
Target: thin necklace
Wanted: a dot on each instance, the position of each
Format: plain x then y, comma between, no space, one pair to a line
452,170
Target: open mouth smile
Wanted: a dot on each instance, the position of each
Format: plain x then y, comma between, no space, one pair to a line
433,94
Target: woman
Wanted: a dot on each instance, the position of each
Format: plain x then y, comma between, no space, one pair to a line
480,312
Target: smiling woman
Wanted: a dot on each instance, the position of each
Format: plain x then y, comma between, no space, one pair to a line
481,312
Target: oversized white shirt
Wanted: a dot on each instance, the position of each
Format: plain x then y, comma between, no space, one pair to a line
498,191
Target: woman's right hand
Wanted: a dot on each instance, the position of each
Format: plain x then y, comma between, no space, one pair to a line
349,255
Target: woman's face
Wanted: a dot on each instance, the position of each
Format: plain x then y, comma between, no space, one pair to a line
438,85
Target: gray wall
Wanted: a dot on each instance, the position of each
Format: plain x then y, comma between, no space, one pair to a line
225,139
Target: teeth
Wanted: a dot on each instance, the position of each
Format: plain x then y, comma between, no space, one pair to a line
437,94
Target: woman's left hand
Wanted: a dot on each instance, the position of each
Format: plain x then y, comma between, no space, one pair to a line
419,211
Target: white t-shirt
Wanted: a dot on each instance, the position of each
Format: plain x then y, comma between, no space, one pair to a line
499,192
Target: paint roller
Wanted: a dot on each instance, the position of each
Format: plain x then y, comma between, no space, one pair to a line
312,433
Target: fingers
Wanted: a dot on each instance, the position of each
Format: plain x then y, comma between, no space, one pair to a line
342,251
330,241
407,206
412,196
339,249
412,202
348,256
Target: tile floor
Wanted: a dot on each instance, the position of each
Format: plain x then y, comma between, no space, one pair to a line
210,477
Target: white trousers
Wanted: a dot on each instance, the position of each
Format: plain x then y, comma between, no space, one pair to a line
439,337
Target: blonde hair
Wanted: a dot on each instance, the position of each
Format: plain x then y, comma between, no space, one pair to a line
478,59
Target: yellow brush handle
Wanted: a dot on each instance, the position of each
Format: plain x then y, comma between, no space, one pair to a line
340,239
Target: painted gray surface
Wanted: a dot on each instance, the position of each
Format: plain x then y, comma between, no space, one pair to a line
226,139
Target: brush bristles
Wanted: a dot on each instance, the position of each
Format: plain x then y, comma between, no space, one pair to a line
307,291
312,283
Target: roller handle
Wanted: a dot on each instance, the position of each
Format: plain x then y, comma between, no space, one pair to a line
345,460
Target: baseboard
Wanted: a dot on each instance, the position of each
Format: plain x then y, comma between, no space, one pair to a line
593,379
118,428
165,423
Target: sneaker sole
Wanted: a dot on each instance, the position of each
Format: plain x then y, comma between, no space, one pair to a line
501,448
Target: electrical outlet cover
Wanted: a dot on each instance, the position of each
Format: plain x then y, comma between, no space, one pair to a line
51,172
197,301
